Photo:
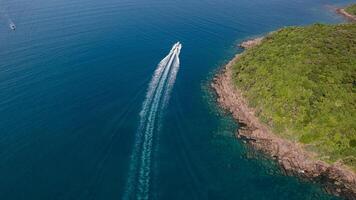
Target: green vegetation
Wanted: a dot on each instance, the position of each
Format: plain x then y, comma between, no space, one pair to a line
302,82
351,9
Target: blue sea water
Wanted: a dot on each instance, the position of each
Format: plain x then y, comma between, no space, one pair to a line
73,77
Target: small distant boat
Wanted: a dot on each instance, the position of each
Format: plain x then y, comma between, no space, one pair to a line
13,26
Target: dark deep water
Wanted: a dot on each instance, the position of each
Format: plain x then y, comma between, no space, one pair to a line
73,77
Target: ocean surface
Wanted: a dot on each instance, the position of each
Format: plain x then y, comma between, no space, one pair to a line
74,77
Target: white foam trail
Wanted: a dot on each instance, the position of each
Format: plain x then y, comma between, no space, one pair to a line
144,176
159,100
172,78
144,136
10,23
164,103
143,118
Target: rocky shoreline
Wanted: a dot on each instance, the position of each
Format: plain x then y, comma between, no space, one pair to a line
346,14
251,43
294,160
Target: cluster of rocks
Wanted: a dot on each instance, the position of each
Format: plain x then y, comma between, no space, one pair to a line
251,43
349,16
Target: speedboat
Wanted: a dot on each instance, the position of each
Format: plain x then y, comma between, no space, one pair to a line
13,26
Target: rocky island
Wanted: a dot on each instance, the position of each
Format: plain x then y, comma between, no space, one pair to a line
294,94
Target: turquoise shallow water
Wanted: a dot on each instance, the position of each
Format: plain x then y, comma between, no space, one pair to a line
73,77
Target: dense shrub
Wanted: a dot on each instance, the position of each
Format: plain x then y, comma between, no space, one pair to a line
351,9
303,79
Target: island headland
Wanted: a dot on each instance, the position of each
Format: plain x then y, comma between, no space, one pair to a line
281,91
349,12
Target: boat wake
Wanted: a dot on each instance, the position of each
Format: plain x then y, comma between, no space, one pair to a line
157,97
4,15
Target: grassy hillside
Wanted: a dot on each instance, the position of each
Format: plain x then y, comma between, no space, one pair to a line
351,9
302,81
